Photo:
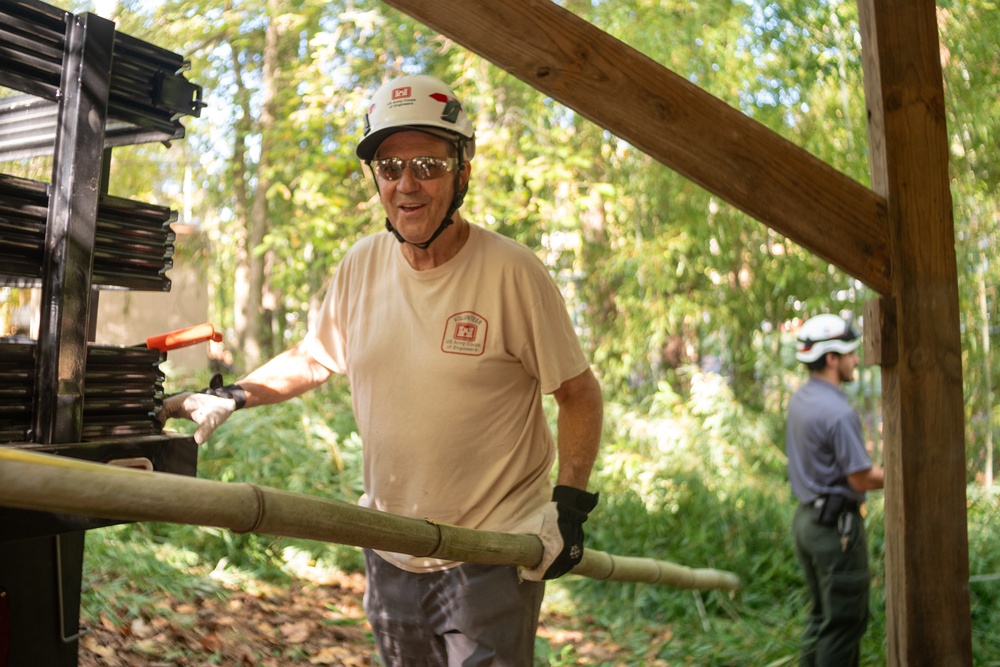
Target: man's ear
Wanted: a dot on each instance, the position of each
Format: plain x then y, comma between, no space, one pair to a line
466,173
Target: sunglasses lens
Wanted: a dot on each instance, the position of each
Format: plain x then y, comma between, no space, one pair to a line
390,168
423,168
427,168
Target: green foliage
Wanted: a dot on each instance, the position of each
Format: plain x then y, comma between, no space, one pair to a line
697,482
971,73
128,568
984,568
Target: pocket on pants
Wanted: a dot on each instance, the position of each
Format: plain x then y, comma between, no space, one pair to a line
849,596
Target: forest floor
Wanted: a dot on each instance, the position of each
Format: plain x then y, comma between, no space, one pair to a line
308,623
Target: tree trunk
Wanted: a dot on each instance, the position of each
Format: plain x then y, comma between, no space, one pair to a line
259,214
984,316
241,208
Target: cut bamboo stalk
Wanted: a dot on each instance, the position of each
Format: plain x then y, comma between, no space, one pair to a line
609,567
49,483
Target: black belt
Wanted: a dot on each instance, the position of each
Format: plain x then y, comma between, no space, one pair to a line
849,505
827,510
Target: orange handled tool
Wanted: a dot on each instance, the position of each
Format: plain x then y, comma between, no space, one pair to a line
184,337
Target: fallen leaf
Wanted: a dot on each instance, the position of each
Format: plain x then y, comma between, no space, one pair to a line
90,643
296,633
211,642
139,628
333,655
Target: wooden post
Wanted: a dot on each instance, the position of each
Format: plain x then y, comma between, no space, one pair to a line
880,336
927,567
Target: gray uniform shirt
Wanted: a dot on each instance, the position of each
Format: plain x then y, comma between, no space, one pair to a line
824,442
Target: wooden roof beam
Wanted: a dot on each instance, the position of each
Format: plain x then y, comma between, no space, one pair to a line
675,122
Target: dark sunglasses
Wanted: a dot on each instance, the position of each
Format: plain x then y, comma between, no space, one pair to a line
423,168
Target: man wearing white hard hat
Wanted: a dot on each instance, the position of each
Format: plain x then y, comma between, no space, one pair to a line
830,472
450,334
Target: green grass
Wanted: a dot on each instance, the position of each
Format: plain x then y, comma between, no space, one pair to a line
130,567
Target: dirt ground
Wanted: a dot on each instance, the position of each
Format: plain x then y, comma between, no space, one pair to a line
307,624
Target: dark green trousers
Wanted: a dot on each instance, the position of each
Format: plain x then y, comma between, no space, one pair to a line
838,582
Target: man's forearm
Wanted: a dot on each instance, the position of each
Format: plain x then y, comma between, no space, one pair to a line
867,480
581,418
286,376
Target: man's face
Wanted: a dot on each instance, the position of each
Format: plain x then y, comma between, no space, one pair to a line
414,207
846,365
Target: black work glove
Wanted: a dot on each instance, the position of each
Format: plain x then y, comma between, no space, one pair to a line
233,391
572,506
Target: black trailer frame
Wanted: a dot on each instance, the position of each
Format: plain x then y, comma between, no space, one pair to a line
76,89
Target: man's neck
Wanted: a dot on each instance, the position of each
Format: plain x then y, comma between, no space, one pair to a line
828,374
444,247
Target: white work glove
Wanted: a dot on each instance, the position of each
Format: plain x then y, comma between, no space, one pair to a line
562,533
207,408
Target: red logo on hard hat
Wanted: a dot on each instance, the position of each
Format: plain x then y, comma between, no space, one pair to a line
401,93
451,106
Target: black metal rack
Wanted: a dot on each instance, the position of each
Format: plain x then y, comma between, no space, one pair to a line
133,242
146,91
76,88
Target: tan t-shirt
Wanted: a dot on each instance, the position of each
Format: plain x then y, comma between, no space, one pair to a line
447,368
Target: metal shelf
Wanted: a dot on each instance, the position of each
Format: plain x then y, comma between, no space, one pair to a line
147,91
82,88
133,242
72,87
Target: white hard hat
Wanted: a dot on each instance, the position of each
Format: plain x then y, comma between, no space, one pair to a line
417,102
826,333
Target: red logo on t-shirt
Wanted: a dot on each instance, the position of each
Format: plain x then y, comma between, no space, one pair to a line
465,333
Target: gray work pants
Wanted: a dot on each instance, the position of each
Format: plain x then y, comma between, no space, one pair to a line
470,616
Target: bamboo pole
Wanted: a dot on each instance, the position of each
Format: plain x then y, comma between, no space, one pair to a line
610,567
49,483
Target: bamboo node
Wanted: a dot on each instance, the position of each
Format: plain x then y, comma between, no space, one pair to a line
440,536
611,572
259,493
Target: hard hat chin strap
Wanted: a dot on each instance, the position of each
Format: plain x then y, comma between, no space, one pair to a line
424,245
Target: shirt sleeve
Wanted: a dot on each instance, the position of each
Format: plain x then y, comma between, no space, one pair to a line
849,443
552,352
326,340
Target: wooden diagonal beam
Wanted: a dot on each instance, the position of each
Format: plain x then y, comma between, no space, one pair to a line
676,123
